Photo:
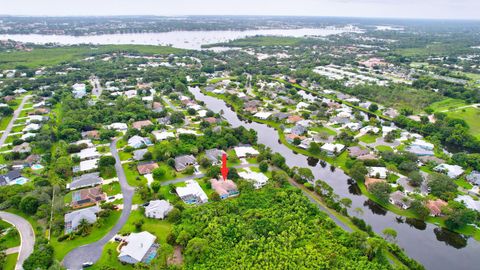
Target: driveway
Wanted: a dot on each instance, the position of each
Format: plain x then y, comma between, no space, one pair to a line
27,236
16,113
93,251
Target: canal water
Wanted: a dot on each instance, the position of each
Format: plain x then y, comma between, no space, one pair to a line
432,246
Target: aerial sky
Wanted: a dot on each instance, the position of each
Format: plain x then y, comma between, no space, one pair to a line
439,9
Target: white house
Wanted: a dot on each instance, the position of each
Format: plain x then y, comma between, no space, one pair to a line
333,148
423,144
158,209
244,151
262,115
377,172
88,153
259,179
31,127
137,141
118,126
453,171
88,165
192,193
137,247
73,219
162,135
469,202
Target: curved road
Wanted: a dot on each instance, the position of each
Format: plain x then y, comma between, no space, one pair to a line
16,113
93,251
27,236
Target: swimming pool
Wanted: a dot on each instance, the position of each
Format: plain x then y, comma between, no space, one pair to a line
37,167
19,181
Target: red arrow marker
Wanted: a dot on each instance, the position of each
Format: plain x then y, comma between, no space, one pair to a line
224,169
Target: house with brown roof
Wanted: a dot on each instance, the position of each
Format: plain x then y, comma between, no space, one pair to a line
211,120
87,197
224,188
91,134
435,207
292,119
146,167
141,124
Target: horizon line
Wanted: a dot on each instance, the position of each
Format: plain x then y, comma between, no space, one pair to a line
240,15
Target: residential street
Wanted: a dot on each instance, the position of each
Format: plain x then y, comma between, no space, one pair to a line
16,113
27,236
93,251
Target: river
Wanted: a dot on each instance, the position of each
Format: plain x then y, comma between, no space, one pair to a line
178,39
432,246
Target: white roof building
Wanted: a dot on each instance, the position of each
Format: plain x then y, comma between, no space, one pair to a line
87,142
88,165
88,153
73,219
259,179
262,115
162,135
423,144
377,172
31,127
192,193
301,105
136,141
130,93
158,209
138,244
244,151
118,126
333,148
469,202
453,171
28,135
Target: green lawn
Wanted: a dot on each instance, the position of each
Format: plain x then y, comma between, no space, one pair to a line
4,122
124,155
447,104
383,148
11,238
324,130
368,138
10,261
62,248
471,116
112,188
134,179
109,258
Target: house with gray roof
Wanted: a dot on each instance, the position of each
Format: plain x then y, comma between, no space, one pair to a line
399,199
139,154
73,219
182,162
474,178
85,180
214,155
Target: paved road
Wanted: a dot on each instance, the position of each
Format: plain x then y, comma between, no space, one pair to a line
16,113
93,251
27,236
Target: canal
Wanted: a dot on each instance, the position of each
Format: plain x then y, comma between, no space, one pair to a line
434,247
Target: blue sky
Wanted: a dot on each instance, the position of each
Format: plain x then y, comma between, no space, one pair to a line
452,9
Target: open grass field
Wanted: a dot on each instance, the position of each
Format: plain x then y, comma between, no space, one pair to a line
471,116
53,56
62,248
368,138
447,104
432,49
